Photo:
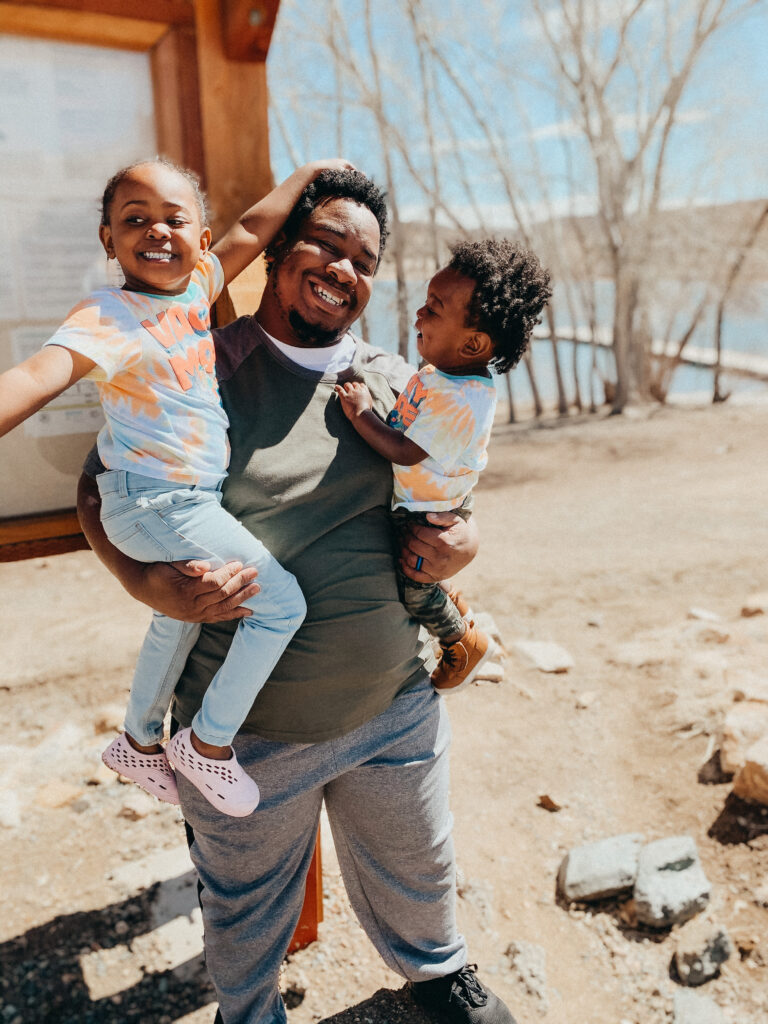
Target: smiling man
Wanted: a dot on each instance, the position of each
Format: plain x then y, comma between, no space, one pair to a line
348,716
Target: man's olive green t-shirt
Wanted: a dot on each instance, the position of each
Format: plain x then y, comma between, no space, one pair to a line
305,483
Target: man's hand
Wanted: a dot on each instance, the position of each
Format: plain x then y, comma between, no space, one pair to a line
355,398
190,591
193,592
444,548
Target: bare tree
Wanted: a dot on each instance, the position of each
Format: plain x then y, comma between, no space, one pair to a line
592,52
733,275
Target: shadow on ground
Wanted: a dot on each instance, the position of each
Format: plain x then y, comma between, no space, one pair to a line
739,822
42,976
384,1007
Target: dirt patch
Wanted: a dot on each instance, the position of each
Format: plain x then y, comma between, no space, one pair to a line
599,535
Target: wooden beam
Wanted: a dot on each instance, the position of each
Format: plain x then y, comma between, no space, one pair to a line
170,12
177,102
235,132
51,533
248,27
71,26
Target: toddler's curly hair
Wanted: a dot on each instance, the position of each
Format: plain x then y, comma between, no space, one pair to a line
511,290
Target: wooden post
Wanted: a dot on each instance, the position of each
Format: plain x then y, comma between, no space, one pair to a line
312,911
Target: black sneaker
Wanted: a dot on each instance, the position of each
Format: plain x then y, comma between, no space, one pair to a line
460,998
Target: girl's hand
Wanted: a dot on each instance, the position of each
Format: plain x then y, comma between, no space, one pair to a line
355,398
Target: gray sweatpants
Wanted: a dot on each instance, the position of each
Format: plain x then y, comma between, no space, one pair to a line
385,787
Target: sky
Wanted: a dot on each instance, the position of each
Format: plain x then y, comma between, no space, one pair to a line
503,74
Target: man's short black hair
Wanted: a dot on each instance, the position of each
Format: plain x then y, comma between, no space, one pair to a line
328,185
511,290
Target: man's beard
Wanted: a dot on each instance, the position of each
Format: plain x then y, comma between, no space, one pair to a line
312,334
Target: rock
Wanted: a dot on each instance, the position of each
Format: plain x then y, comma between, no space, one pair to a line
751,687
100,775
707,633
671,886
491,672
110,719
760,895
159,866
528,963
702,947
546,656
704,615
752,781
546,801
757,604
600,869
10,812
486,622
586,700
692,1008
57,793
745,722
137,805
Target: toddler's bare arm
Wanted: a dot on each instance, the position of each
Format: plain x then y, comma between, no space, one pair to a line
393,445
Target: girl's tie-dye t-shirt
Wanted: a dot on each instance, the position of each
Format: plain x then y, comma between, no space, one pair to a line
451,419
156,375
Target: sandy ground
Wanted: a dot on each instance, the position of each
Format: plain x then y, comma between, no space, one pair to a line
599,535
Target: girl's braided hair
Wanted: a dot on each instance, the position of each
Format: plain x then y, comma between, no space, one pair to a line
201,200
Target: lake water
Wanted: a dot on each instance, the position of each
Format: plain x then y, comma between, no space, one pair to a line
744,330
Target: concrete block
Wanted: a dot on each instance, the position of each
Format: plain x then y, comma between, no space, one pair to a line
692,1008
600,869
671,886
547,657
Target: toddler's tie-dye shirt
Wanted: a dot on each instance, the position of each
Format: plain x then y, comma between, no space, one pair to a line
156,376
451,419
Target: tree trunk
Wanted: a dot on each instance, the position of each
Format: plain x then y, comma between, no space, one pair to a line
510,399
562,401
538,407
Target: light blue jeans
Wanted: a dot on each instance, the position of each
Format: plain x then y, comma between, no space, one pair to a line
385,786
151,522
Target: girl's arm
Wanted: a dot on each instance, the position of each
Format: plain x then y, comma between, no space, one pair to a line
258,226
33,383
392,444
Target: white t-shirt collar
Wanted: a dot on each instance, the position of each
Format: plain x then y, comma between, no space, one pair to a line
331,359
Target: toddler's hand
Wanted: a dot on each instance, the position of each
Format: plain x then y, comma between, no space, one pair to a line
355,398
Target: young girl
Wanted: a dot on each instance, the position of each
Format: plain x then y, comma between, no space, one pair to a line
479,312
148,346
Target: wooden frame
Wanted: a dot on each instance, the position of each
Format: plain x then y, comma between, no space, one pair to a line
207,60
203,97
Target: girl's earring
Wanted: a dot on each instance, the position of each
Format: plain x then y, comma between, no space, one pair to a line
114,273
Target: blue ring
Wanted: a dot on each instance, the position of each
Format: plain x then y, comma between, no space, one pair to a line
419,563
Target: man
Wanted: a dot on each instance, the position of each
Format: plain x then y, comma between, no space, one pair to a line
349,716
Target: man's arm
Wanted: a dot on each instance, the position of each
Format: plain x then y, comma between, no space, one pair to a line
189,591
444,548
